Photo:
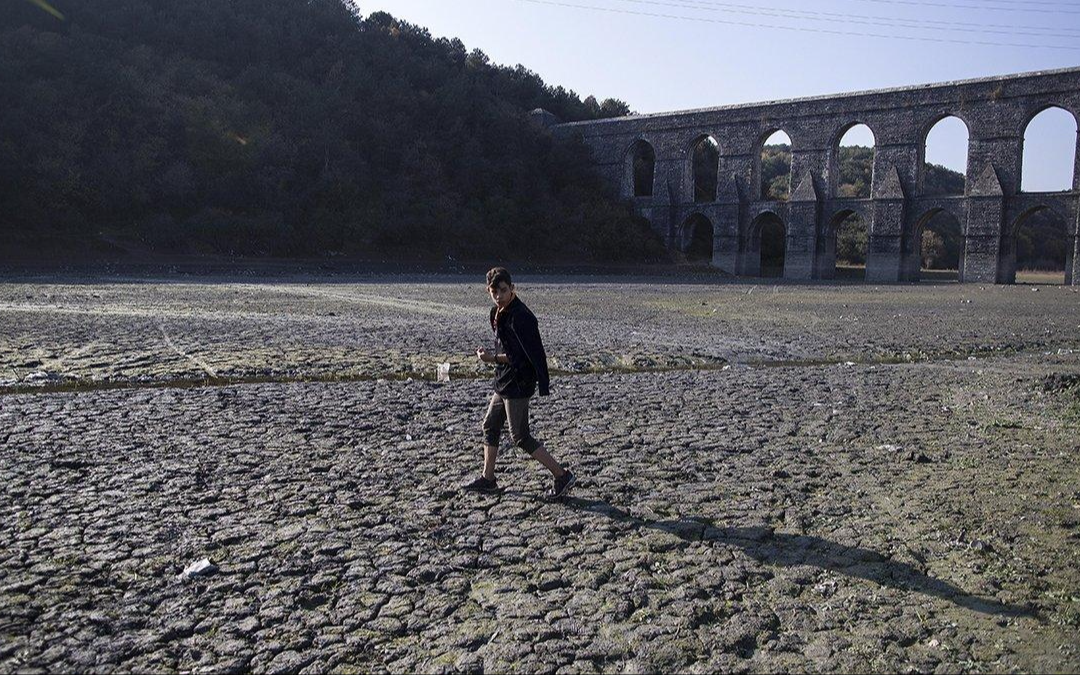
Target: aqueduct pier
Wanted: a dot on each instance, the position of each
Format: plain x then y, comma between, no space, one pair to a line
990,210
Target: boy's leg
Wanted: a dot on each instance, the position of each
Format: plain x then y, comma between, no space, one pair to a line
491,453
494,420
517,412
541,455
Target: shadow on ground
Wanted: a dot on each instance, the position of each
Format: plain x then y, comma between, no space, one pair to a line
777,548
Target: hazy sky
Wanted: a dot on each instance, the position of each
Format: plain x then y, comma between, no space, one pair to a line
662,55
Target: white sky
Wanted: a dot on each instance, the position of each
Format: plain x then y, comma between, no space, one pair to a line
663,55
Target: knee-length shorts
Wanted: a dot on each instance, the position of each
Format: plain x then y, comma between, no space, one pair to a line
515,411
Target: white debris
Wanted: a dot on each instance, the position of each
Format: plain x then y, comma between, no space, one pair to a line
41,376
442,372
200,568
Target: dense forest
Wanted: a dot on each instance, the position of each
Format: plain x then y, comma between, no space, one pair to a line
283,128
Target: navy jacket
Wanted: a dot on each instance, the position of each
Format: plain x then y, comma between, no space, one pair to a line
518,336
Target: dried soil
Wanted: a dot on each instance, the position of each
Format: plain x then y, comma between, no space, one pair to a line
895,490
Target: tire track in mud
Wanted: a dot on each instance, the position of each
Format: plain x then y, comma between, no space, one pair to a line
194,359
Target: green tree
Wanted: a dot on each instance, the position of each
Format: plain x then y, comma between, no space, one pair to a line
856,166
776,172
851,241
613,107
933,250
271,127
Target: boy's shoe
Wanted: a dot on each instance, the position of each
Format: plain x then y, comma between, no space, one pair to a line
481,484
562,485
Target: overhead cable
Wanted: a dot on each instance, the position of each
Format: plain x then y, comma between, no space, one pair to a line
807,13
1012,8
800,29
833,17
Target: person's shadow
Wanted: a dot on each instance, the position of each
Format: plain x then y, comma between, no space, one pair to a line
776,548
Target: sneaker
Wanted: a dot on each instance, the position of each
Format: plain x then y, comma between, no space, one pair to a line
562,485
481,484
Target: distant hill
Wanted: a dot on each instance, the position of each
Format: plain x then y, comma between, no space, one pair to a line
285,128
1041,242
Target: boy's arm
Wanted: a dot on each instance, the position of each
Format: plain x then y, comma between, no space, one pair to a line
528,334
482,352
487,357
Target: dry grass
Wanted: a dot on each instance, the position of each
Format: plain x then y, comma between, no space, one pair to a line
1040,277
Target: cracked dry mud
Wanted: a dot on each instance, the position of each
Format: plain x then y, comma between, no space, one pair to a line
812,516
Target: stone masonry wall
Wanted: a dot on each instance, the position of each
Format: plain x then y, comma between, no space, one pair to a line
996,111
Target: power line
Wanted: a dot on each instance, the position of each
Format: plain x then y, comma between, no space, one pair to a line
800,13
887,22
750,24
923,3
1034,2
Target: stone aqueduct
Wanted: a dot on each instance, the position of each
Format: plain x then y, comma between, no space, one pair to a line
990,211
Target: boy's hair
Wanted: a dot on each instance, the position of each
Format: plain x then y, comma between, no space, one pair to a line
497,275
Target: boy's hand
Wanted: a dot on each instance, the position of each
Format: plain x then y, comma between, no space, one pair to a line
483,354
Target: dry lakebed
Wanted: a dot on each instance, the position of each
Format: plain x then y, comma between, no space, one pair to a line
772,477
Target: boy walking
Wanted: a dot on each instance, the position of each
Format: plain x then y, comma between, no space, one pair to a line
520,368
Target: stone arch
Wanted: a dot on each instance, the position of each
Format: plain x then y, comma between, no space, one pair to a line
696,237
832,242
1040,109
757,177
1074,157
835,163
639,169
767,244
1009,259
826,247
912,264
702,168
922,179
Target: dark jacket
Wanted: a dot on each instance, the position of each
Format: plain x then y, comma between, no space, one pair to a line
518,336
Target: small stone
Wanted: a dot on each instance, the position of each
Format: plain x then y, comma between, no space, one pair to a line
289,661
469,662
247,625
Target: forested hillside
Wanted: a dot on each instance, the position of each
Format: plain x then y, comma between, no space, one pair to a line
284,128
